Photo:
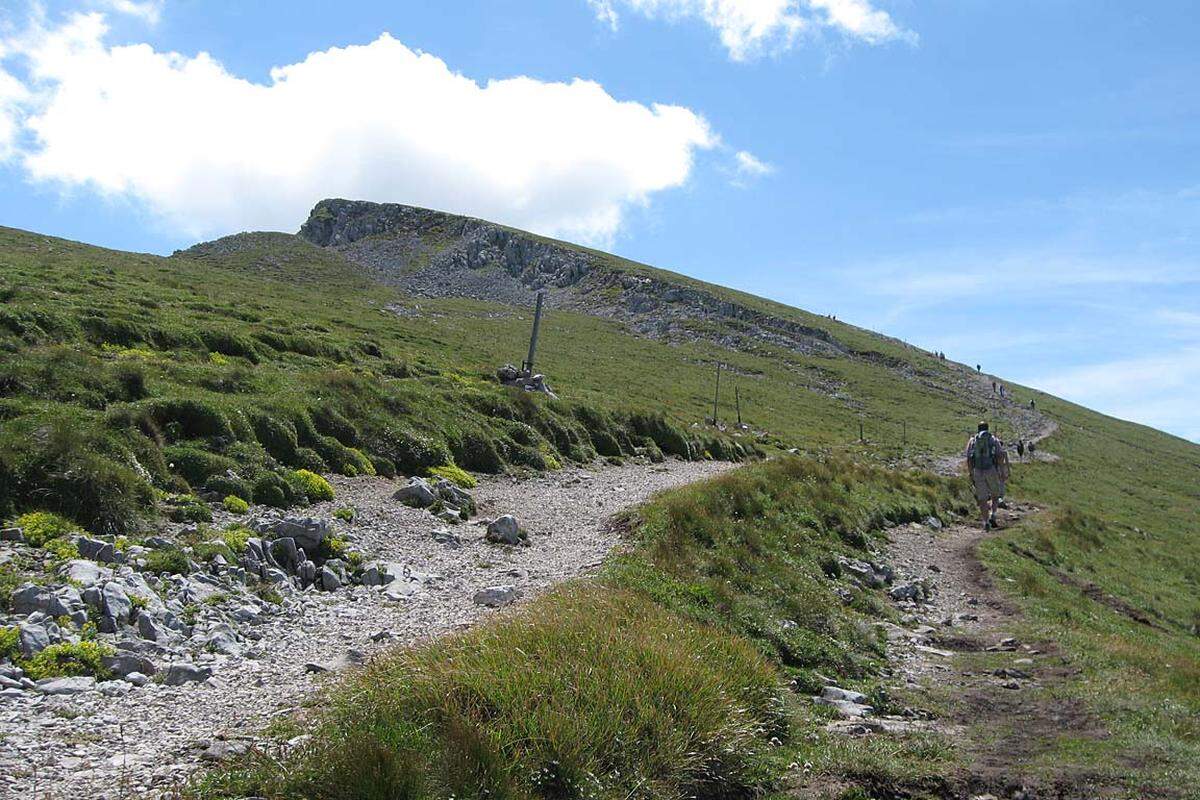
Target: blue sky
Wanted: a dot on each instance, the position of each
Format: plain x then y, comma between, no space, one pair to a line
1016,183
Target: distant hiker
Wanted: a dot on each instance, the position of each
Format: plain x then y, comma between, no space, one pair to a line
987,464
1032,404
1021,448
1031,449
979,368
993,387
1002,390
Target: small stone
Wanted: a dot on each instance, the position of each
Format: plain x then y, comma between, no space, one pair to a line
417,494
497,596
122,664
307,532
96,549
505,530
181,673
221,750
149,629
12,535
137,679
329,579
66,685
448,538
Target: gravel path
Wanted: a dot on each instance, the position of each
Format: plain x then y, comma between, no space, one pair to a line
150,739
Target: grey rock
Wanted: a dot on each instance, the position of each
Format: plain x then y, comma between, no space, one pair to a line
96,550
505,530
307,573
113,688
913,590
417,494
149,629
375,575
223,750
246,613
450,515
448,538
401,590
181,673
137,679
845,708
222,639
497,596
157,543
116,602
308,532
848,695
273,575
34,637
330,582
12,535
123,664
66,685
933,522
285,553
85,573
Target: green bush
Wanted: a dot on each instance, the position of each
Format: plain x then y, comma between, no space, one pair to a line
42,526
277,437
413,453
346,514
272,490
180,419
187,508
316,488
235,537
225,485
196,464
235,505
456,475
166,561
68,659
475,450
10,643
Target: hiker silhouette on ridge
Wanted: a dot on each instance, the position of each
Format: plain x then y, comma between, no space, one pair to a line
987,466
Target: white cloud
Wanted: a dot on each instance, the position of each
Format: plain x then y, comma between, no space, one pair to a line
12,95
212,152
150,11
1156,390
749,28
749,165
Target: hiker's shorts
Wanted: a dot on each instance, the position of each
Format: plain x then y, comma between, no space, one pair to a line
988,485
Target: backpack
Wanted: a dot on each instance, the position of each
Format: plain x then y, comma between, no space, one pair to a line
983,451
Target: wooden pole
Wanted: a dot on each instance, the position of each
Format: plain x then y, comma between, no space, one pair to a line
862,439
737,399
717,394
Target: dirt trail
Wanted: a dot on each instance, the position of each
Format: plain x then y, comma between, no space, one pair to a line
960,647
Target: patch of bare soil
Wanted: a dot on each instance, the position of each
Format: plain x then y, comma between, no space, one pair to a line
1003,712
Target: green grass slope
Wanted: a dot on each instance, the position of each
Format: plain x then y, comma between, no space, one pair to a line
126,378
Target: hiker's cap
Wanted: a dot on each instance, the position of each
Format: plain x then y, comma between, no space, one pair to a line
983,426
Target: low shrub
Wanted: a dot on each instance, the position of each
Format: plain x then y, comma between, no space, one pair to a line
272,490
346,514
166,561
235,505
235,537
226,485
187,508
42,526
68,659
315,488
456,475
196,464
10,643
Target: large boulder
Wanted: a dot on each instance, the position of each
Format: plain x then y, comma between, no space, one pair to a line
85,573
308,532
34,635
417,494
329,579
96,550
115,601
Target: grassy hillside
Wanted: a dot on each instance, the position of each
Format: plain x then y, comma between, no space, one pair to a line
126,378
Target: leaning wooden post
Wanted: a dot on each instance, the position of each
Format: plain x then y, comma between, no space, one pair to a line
717,394
537,324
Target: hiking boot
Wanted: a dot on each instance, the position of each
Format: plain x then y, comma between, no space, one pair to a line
992,522
987,525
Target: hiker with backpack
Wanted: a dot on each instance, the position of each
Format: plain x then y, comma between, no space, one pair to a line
987,464
1021,449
